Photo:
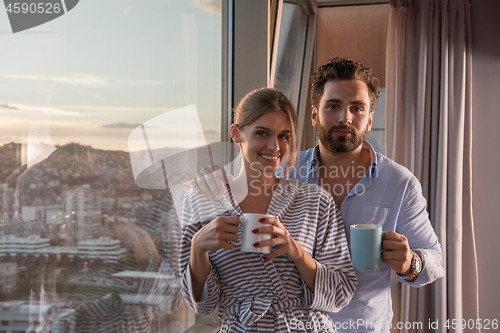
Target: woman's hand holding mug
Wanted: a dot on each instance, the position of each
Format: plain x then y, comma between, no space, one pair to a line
259,233
281,237
217,234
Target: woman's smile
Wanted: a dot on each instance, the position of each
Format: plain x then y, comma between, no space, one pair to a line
270,157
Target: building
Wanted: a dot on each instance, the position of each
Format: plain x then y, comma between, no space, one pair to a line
50,214
82,208
104,248
13,245
8,277
23,316
156,289
8,227
3,188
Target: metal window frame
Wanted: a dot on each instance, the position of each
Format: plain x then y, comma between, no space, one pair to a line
303,67
304,27
227,65
308,137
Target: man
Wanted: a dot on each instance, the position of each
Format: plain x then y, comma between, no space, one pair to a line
369,188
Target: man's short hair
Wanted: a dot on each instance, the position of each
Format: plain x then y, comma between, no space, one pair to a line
343,69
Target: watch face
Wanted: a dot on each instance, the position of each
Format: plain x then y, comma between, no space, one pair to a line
418,264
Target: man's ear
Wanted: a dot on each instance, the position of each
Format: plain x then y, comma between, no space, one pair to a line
370,120
314,115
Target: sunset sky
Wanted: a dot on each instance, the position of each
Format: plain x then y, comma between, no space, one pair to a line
99,71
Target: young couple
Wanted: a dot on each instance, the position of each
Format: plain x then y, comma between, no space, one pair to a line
308,276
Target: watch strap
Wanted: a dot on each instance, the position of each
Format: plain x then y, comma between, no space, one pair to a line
416,267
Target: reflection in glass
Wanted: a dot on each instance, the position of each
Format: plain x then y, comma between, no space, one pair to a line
83,248
290,50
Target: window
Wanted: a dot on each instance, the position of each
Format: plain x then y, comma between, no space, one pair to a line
294,36
290,50
81,95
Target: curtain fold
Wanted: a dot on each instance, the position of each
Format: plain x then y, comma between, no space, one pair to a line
429,130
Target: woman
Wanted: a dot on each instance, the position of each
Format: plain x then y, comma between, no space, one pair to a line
309,270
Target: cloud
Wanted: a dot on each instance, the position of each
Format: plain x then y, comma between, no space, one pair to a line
132,82
86,80
211,135
122,109
44,110
126,11
7,106
121,125
214,7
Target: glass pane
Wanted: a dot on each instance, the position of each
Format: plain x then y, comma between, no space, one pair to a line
92,106
290,51
377,135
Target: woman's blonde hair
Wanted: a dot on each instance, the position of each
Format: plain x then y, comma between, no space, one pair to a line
261,101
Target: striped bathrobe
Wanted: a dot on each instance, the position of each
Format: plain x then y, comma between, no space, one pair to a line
256,295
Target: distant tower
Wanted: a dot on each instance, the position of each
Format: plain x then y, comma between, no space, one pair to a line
3,188
82,208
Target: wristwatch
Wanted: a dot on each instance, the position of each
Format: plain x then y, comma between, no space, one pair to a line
416,267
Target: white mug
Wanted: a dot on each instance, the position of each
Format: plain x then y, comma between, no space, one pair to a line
249,222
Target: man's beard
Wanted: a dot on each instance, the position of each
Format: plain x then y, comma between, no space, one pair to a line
342,144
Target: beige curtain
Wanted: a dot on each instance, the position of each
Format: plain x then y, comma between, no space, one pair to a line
428,129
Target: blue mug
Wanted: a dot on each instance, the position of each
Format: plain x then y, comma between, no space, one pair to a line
366,246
